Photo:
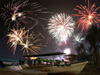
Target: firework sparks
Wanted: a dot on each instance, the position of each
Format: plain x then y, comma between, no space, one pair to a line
13,17
29,45
61,26
78,38
26,40
87,16
15,38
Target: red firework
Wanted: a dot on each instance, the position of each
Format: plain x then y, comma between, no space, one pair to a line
87,16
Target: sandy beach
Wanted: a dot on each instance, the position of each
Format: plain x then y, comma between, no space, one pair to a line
90,69
6,71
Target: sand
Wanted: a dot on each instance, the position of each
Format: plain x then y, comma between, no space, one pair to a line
90,69
6,71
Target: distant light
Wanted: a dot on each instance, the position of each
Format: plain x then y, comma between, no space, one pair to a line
32,58
19,14
18,39
13,17
13,43
67,51
26,46
89,23
89,17
66,60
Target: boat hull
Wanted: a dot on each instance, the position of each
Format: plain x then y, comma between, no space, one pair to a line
73,69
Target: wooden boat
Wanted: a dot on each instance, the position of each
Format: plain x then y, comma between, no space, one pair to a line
73,69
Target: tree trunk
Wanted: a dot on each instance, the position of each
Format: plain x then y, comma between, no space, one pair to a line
96,55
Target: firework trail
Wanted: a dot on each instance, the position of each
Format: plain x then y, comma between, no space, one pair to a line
78,38
61,26
17,13
87,16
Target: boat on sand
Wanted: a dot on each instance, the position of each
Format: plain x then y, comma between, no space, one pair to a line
72,69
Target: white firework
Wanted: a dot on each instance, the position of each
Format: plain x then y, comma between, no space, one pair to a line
78,38
61,26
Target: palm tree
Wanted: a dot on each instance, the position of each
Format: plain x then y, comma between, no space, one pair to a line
82,48
93,38
78,49
81,51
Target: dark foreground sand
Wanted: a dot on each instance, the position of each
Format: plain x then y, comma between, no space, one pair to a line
5,71
88,70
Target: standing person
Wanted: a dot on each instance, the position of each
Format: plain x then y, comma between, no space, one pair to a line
2,64
62,63
52,63
34,62
20,62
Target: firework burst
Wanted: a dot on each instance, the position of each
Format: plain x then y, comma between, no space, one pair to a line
26,40
87,16
61,26
17,13
15,38
78,38
30,44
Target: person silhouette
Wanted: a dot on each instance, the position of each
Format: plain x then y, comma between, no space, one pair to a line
62,63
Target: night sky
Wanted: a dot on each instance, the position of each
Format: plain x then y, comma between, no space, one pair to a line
54,6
